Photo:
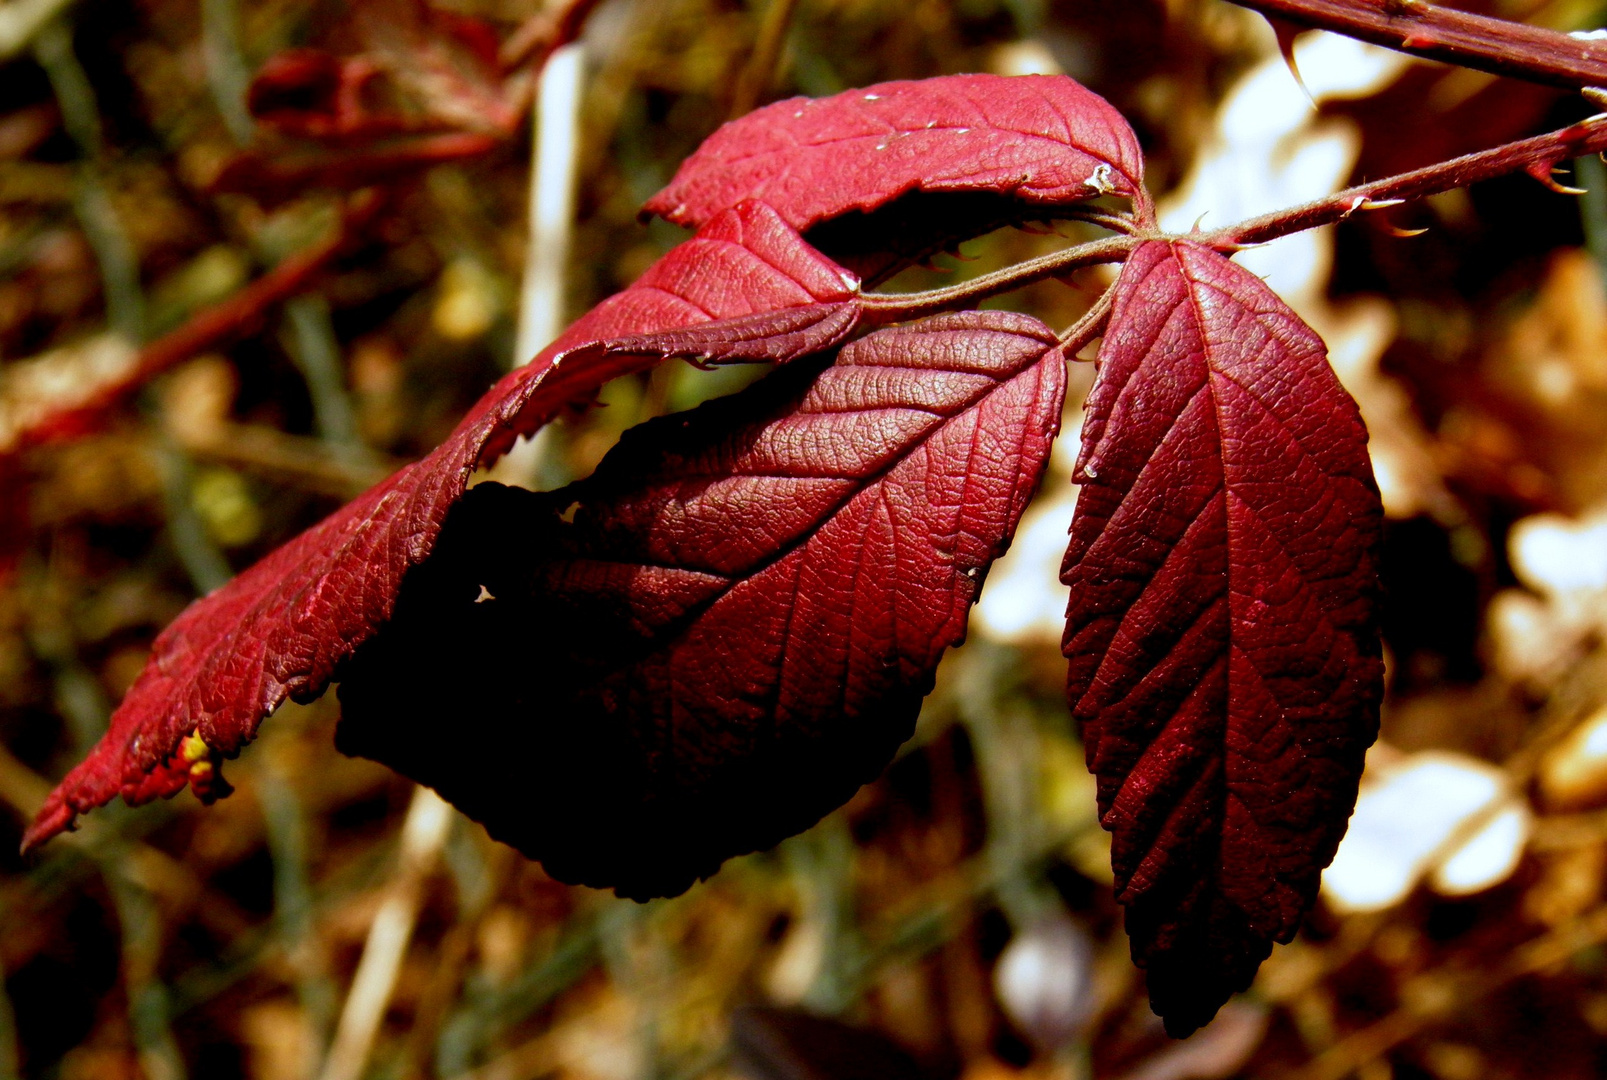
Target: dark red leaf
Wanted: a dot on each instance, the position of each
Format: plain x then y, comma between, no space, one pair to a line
716,638
426,88
1222,632
792,1044
13,516
281,629
913,228
419,68
1044,140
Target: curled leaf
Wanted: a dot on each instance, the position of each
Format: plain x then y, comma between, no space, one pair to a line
722,633
1042,140
1223,625
282,628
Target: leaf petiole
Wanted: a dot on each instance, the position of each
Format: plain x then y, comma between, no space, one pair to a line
1090,326
878,308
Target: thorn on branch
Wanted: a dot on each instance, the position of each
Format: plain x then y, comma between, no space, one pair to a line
1545,173
1362,203
1497,46
1286,32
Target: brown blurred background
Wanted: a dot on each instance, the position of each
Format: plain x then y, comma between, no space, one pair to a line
955,919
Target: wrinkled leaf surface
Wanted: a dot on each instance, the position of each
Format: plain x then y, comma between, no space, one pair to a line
281,628
1044,140
1223,625
721,634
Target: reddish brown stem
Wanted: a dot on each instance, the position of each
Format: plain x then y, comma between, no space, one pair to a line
1536,156
244,311
276,177
895,307
1437,33
207,329
1090,326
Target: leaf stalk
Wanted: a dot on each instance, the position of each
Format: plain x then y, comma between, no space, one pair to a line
878,308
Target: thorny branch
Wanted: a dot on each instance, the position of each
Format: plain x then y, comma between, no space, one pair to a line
1432,32
1537,156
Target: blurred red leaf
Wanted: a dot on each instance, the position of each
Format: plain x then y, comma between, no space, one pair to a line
417,68
1044,140
445,61
281,628
1223,626
729,627
314,94
425,88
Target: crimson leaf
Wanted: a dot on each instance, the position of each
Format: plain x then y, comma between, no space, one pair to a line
1045,139
983,149
283,627
425,88
721,634
1223,627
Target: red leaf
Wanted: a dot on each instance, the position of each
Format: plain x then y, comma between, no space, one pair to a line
1042,139
1222,632
445,61
441,69
913,228
426,89
721,634
281,629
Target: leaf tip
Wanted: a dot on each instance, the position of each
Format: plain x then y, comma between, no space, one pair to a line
55,818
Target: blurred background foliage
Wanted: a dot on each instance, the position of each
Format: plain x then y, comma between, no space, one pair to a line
955,919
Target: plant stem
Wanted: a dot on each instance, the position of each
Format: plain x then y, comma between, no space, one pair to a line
894,307
227,72
209,328
1535,156
1090,326
1437,33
